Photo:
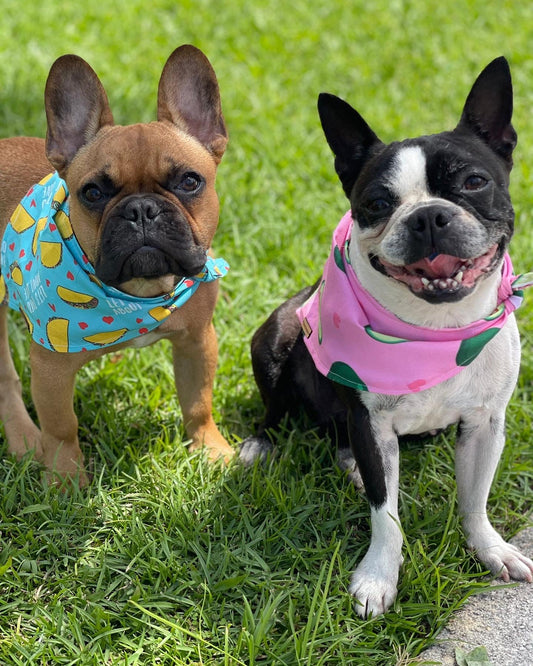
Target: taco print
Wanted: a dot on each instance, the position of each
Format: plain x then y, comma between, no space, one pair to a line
57,333
106,338
41,224
76,298
159,313
16,273
51,254
62,221
21,219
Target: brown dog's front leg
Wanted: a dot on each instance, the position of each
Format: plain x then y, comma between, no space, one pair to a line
52,385
21,432
195,360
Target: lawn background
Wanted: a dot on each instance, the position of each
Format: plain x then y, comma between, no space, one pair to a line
164,559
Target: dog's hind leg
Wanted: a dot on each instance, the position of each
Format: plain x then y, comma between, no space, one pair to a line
21,432
288,381
273,347
269,361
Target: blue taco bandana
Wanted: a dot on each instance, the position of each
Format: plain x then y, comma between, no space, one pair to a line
48,278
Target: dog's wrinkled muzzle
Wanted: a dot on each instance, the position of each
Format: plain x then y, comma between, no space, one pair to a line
146,237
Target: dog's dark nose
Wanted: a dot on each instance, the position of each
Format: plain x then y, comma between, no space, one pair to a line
140,210
428,223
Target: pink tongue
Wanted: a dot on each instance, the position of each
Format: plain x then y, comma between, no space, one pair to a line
443,266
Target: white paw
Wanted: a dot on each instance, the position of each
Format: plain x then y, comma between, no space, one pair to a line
501,558
374,588
506,561
255,448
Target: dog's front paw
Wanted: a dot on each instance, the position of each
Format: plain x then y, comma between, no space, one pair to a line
374,587
255,448
216,448
64,463
507,562
21,432
501,558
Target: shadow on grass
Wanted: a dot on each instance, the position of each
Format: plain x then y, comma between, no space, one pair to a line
164,554
237,565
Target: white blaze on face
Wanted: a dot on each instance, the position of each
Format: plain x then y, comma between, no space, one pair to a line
408,178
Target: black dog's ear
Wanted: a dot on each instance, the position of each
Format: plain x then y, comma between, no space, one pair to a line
349,137
489,108
76,108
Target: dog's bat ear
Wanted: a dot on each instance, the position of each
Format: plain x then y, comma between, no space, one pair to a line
349,137
489,108
76,108
189,98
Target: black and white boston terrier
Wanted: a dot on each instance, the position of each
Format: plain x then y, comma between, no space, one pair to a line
410,328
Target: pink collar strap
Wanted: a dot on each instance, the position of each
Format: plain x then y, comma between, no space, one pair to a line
355,341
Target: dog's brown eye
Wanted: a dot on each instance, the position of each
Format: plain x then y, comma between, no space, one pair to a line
475,182
92,193
190,182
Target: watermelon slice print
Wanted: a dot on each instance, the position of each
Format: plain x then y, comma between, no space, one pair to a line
347,252
472,347
524,280
342,373
382,337
320,294
497,313
338,259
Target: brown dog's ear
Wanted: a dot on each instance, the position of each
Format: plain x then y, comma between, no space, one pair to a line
76,108
189,98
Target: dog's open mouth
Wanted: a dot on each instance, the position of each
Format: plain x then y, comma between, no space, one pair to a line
441,275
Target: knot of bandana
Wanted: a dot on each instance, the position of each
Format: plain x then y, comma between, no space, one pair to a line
355,341
48,278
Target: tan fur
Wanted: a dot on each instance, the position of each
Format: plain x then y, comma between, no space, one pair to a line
23,162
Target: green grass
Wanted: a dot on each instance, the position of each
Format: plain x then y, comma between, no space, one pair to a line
165,559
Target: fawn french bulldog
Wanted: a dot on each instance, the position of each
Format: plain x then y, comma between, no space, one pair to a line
107,232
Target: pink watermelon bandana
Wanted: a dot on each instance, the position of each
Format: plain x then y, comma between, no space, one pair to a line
355,341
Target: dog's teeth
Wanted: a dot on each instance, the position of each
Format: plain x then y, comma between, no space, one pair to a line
459,276
440,283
